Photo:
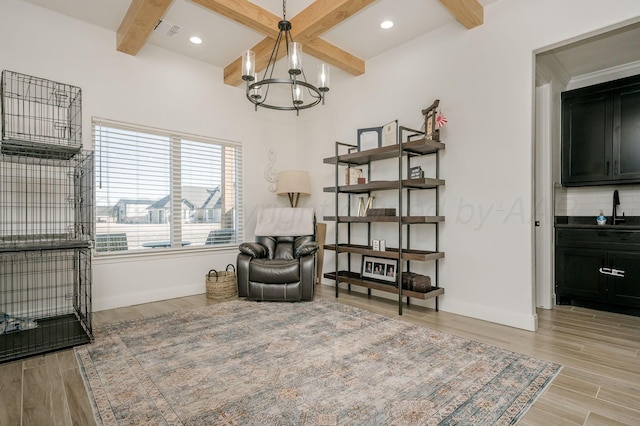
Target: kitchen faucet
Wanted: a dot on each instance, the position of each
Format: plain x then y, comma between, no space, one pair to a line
616,202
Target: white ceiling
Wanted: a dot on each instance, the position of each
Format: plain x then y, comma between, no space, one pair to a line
224,40
360,35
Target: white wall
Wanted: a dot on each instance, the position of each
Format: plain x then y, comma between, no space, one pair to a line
484,78
590,200
155,88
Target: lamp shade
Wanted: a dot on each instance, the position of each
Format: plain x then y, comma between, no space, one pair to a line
294,182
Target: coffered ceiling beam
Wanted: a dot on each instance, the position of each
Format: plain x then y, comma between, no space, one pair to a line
246,13
469,13
335,56
317,18
322,15
138,23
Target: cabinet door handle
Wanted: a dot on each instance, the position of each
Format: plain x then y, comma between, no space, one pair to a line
605,271
606,168
617,273
612,271
615,167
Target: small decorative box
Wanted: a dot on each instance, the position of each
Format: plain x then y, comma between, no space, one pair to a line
416,173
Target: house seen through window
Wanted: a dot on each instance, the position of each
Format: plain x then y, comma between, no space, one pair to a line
158,189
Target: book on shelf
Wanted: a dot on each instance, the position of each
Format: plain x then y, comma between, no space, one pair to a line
381,212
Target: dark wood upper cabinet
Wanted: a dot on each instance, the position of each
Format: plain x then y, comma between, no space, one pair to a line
626,133
601,134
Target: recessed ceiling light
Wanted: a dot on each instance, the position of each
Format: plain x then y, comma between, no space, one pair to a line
195,40
385,25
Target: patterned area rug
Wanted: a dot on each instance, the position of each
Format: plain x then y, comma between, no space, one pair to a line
315,363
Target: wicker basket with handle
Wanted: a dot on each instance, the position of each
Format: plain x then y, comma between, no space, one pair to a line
222,284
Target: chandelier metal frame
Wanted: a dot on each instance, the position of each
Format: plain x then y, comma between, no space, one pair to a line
297,78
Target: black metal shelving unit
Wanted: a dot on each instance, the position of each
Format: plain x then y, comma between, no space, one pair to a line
346,155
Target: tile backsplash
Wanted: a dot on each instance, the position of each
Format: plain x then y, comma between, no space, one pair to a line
589,200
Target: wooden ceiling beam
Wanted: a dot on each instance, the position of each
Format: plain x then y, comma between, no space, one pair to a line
139,21
319,17
469,13
335,56
246,13
314,20
322,15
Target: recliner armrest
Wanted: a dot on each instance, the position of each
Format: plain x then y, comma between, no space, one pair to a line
254,250
306,249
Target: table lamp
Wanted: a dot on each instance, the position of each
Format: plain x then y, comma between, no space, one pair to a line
293,183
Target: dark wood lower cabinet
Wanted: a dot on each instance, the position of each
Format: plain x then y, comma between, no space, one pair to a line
600,268
577,273
625,290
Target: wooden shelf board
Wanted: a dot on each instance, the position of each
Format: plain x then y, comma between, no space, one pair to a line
422,183
354,278
420,146
365,187
394,219
389,253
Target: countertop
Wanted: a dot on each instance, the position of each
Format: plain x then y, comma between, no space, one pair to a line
589,222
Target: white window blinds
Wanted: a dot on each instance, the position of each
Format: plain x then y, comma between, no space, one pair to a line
157,189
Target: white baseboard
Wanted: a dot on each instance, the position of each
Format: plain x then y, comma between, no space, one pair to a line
147,296
503,317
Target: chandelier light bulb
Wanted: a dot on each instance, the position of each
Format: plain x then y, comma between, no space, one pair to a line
248,65
256,92
295,58
323,77
297,94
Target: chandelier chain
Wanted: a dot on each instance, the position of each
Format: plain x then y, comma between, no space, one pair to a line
284,10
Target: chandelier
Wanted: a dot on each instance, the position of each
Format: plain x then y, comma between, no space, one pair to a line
301,93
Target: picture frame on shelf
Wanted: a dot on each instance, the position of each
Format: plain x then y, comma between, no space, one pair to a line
352,176
390,133
377,268
369,138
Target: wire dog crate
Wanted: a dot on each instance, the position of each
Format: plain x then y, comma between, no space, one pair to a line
45,301
40,117
46,203
46,218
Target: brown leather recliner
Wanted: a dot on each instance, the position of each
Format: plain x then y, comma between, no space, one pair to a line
278,268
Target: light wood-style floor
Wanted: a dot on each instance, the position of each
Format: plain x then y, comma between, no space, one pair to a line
599,384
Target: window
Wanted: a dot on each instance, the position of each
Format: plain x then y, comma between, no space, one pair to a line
159,189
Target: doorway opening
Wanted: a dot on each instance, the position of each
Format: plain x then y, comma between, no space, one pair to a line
608,54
